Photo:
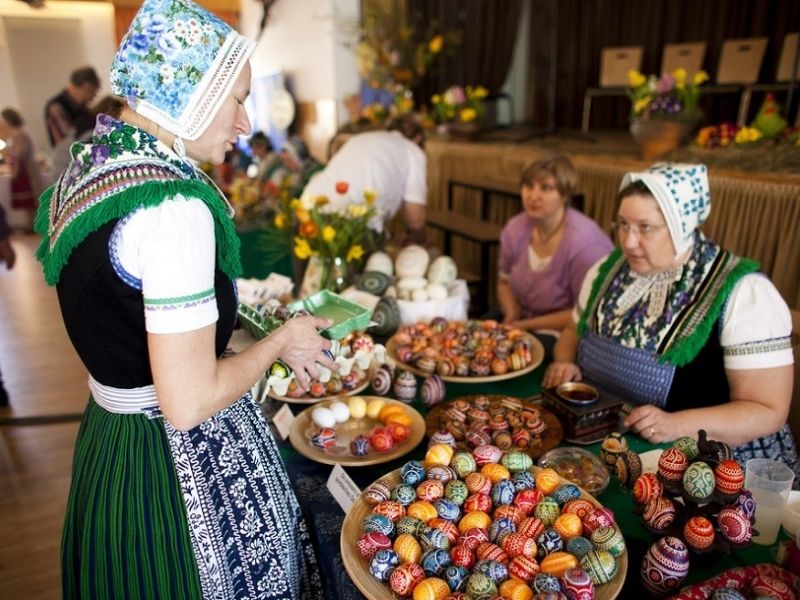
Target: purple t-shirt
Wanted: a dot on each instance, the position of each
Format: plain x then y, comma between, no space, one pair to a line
557,285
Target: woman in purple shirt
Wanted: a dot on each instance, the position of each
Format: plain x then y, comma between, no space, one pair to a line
546,250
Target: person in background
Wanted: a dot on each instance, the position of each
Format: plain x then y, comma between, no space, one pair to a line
391,163
68,111
7,257
300,165
178,489
270,165
546,250
688,332
26,180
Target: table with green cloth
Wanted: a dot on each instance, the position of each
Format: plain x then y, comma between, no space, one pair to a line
325,517
258,260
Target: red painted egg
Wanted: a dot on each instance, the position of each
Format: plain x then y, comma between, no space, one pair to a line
646,488
523,568
369,543
510,511
478,483
473,538
381,440
462,557
531,527
734,526
478,502
659,513
489,551
729,477
526,500
405,578
516,544
430,490
672,464
698,533
579,506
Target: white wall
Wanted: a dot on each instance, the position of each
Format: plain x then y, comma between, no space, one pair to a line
95,46
305,40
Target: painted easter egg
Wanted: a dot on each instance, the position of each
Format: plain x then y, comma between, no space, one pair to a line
577,584
579,506
549,541
500,528
524,480
377,493
503,492
647,487
463,463
513,589
480,586
442,437
771,587
665,565
516,544
610,539
456,576
547,480
516,461
579,546
431,538
527,499
430,490
434,562
545,582
747,504
485,454
405,386
547,510
390,508
370,543
407,548
405,578
687,445
523,568
383,563
447,509
324,438
494,570
600,565
381,440
672,464
404,494
564,493
557,563
698,481
432,588
456,491
734,526
729,477
433,390
613,445
409,525
422,510
568,526
382,380
659,514
531,527
495,472
438,454
698,533
359,446
727,594
412,472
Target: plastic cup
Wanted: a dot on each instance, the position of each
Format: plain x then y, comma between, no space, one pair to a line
770,482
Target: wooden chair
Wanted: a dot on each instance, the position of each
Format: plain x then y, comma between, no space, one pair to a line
739,67
783,76
614,66
688,56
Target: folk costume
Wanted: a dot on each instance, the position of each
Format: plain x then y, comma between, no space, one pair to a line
137,241
667,338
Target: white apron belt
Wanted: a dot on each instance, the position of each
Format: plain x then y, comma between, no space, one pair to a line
123,401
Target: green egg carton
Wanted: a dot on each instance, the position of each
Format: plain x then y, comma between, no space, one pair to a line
254,323
347,316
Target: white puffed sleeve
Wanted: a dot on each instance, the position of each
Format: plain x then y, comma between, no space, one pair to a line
757,326
168,251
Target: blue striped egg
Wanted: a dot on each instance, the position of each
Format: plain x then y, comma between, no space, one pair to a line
500,528
412,472
565,493
503,492
493,569
379,523
383,563
456,577
434,562
447,509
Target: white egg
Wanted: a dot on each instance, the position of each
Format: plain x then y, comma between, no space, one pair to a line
381,262
404,294
323,417
412,283
412,261
443,270
420,295
436,291
340,411
391,292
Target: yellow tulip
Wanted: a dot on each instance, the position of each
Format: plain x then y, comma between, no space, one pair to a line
356,210
301,248
641,104
700,77
280,220
302,215
328,233
436,98
295,204
370,196
680,75
468,115
321,201
436,43
636,79
355,252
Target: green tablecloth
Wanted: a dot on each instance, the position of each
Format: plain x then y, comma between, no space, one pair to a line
258,261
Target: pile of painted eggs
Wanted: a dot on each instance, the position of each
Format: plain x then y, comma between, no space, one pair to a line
482,524
502,421
621,462
395,429
336,385
463,348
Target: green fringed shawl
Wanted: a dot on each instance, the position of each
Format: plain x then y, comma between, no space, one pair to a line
54,250
692,328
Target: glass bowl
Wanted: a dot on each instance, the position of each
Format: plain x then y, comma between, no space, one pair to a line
579,466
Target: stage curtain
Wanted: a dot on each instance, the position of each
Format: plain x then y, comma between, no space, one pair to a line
488,35
586,26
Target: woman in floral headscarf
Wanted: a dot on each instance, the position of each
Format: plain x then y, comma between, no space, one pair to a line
686,330
178,489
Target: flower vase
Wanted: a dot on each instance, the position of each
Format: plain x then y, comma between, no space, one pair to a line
657,137
464,132
335,273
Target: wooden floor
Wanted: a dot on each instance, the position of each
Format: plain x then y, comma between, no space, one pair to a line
47,386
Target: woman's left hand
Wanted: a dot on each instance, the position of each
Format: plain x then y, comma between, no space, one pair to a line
652,424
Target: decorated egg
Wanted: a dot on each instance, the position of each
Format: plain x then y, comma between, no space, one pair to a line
412,473
486,454
698,533
565,493
404,494
659,513
399,431
340,411
524,480
370,543
446,509
579,506
734,526
499,529
374,407
380,262
502,439
610,539
462,556
456,491
324,438
510,511
664,567
613,445
474,520
442,437
647,487
672,464
390,508
431,538
494,570
463,463
489,551
515,544
599,517
627,468
323,417
432,390
549,541
381,440
407,548
523,568
443,473
516,461
568,526
430,490
382,380
577,584
579,546
379,524
698,481
531,527
527,499
443,271
472,538
377,493
432,588
599,565
545,582
480,586
409,525
513,589
405,386
547,510
729,477
726,594
448,528
383,563
503,492
746,504
405,578
495,472
455,576
547,480
557,563
359,446
357,406
434,562
438,454
422,510
687,445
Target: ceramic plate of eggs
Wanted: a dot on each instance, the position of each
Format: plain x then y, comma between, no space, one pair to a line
357,431
355,382
465,351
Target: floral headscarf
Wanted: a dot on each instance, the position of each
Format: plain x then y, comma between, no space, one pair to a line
176,65
683,196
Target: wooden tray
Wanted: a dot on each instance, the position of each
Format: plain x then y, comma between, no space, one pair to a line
550,438
358,567
537,356
303,428
362,385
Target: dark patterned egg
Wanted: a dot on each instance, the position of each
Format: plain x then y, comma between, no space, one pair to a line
659,514
377,493
494,570
409,525
727,594
549,541
433,390
324,438
698,481
382,380
447,509
627,467
456,491
613,445
441,472
383,563
359,446
370,543
698,533
430,538
565,493
442,437
746,504
499,529
503,492
599,517
664,567
404,494
734,526
524,480
647,486
577,584
405,386
412,473
434,562
579,546
687,445
600,566
729,477
544,582
455,576
405,578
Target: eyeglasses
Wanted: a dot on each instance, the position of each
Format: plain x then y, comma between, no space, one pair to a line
645,230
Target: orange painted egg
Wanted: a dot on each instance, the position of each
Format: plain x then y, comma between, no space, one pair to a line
579,506
407,548
568,526
390,508
523,568
422,510
647,486
381,440
430,490
431,588
438,454
547,480
495,472
477,519
388,410
510,511
516,544
403,419
489,551
729,477
478,483
556,563
698,533
513,589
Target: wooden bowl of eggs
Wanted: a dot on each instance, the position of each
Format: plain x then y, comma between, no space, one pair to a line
357,431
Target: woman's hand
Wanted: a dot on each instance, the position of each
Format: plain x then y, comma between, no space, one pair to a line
301,348
652,424
560,372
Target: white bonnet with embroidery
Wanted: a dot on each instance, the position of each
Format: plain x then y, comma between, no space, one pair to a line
683,196
177,63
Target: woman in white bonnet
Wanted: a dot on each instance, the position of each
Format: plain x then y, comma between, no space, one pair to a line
688,331
178,489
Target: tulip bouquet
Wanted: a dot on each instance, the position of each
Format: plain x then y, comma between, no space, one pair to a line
672,96
459,104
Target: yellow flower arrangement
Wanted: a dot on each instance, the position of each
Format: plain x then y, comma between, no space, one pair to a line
459,104
672,96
